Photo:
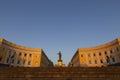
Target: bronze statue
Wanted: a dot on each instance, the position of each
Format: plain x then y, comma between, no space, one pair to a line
60,55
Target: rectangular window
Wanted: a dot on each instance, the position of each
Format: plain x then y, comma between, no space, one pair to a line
20,54
108,60
90,62
105,52
100,53
0,58
30,55
113,59
12,61
9,51
82,62
3,49
101,61
88,54
94,54
18,62
95,61
7,60
81,55
25,54
29,62
24,61
117,49
111,51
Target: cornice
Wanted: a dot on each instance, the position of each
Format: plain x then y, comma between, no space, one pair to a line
3,41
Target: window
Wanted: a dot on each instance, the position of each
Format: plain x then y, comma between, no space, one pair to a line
25,54
94,54
111,51
18,62
7,60
30,55
12,61
108,60
20,54
88,54
3,49
101,61
14,52
29,62
81,55
105,52
82,62
100,53
90,62
117,49
110,56
95,61
113,59
9,51
24,61
0,58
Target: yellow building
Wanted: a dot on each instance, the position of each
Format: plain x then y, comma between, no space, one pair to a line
16,55
103,55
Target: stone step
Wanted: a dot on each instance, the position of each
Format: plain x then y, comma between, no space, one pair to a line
56,73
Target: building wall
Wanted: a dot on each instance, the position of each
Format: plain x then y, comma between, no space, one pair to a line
21,56
98,56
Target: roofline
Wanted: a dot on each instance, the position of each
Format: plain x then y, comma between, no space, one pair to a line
98,47
3,41
102,45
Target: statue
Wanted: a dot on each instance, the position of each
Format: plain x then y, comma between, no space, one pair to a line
60,55
60,64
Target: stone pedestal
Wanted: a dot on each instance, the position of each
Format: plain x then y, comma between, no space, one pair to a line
60,63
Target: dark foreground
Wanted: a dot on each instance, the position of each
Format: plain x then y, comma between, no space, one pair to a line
66,73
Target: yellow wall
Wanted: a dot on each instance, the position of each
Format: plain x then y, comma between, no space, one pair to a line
84,59
34,59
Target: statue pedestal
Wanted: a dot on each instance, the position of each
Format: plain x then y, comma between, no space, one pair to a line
60,63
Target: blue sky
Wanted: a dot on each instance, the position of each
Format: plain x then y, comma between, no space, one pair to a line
59,25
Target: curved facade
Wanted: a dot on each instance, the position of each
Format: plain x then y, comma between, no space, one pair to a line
103,55
16,55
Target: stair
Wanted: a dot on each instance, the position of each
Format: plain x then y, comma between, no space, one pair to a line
60,73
